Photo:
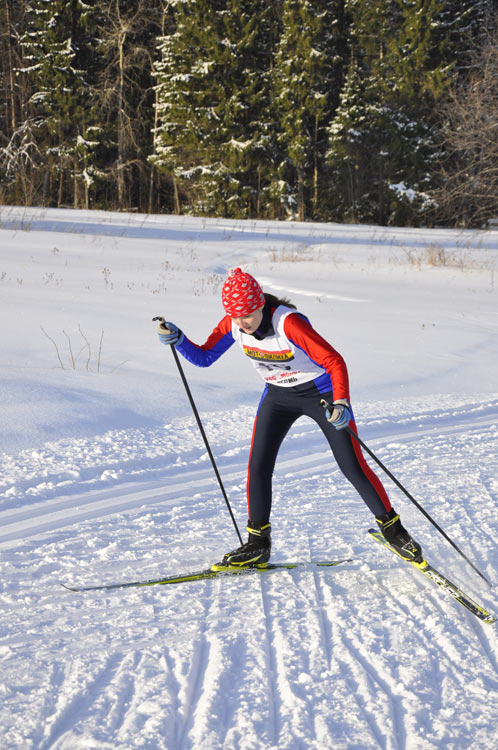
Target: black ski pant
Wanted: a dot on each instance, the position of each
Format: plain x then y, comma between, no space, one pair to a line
279,408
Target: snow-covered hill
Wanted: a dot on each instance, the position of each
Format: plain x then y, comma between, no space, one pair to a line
105,477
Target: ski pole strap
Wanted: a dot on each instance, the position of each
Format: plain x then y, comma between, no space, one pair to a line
410,497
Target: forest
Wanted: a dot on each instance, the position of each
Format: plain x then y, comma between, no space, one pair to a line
357,111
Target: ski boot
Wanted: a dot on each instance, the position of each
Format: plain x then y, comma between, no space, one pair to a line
255,553
394,532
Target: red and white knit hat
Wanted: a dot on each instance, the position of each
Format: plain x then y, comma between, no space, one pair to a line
241,294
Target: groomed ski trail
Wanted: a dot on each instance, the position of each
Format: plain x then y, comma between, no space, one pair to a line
370,657
48,500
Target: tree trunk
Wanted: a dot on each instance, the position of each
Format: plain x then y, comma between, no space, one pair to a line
301,208
121,126
10,75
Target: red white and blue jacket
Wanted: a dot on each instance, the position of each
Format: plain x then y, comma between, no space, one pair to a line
285,350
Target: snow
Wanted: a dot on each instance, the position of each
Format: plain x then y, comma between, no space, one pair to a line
105,478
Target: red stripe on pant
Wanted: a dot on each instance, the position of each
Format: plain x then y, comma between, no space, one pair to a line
368,472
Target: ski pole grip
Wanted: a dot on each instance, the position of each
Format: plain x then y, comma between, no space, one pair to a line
162,323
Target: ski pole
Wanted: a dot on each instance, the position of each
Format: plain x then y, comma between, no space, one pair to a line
410,497
204,437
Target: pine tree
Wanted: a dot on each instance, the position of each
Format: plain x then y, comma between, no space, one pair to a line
14,145
250,97
10,20
214,136
305,80
59,113
382,138
463,25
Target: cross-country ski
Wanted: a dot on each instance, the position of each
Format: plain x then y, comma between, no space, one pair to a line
443,583
203,575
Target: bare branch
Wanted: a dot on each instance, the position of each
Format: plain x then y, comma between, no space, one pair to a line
55,345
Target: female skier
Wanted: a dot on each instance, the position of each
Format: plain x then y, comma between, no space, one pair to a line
304,375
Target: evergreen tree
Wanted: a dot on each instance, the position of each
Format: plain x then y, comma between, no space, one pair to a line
14,145
463,25
215,136
11,16
59,114
382,138
306,79
250,97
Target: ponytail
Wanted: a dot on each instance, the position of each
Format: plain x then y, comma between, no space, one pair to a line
276,301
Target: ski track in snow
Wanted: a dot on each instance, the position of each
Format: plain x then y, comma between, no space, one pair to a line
368,656
365,656
37,512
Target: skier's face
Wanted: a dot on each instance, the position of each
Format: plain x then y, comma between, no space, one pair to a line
250,323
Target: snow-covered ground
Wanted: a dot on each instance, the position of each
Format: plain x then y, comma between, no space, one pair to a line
105,478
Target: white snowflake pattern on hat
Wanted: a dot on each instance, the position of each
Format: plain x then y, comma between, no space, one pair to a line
241,294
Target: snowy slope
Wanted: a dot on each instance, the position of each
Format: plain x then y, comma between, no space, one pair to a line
104,477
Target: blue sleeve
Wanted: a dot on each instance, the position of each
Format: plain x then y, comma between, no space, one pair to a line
220,340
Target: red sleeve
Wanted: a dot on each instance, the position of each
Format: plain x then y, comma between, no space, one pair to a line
301,333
